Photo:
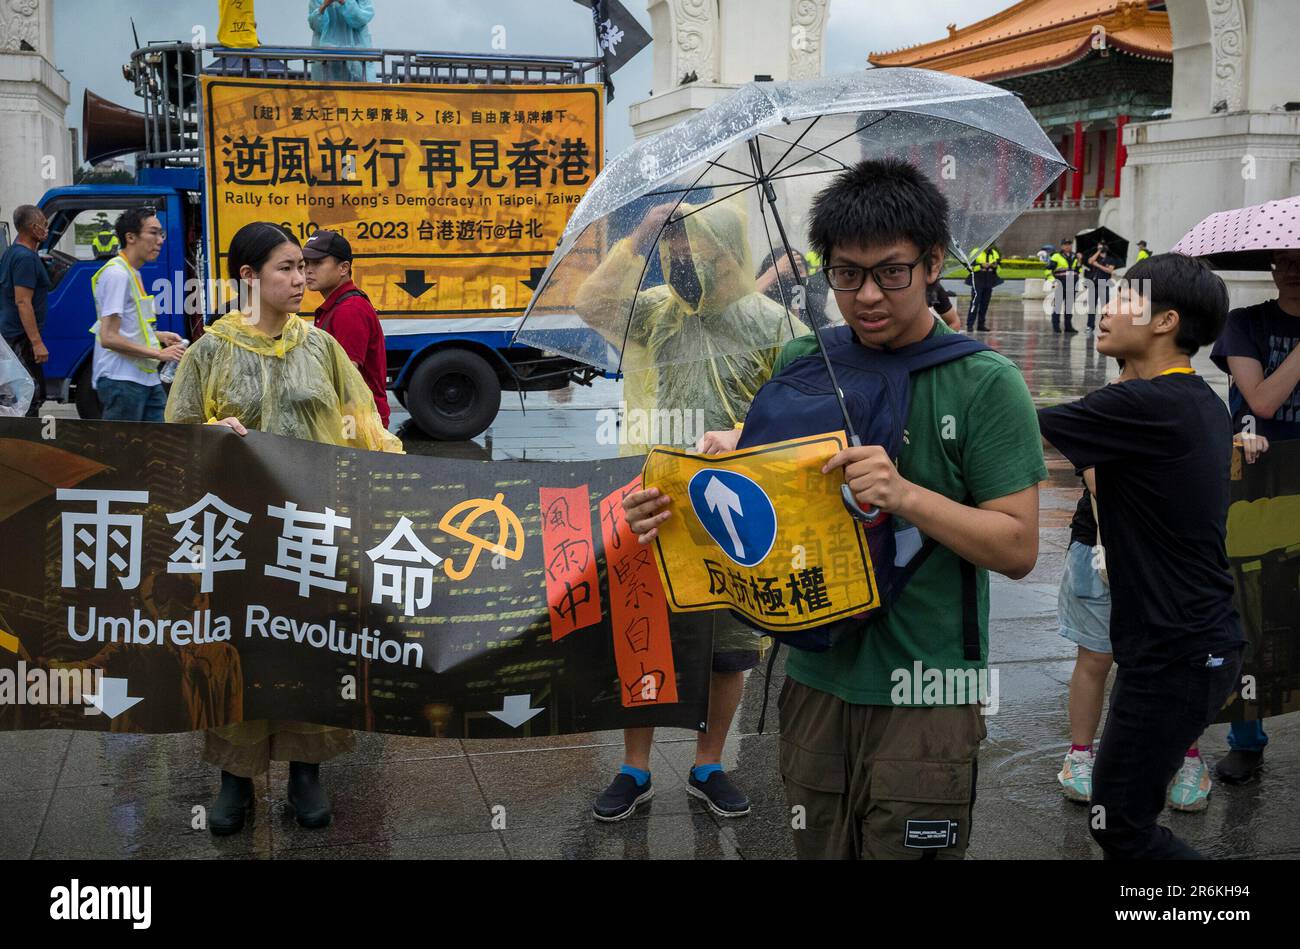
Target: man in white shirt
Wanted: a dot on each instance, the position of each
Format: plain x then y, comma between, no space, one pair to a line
127,349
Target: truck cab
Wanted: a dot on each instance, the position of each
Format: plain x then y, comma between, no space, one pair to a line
76,214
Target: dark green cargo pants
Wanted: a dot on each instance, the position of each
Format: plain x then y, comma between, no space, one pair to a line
878,781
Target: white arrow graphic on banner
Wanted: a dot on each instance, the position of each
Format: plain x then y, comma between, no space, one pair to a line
718,496
516,710
112,699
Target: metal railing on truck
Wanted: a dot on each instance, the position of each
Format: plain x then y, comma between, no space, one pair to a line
165,77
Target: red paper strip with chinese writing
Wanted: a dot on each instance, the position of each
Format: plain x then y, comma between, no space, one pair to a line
572,580
643,650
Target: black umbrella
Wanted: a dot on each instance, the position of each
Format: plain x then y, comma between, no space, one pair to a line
1085,242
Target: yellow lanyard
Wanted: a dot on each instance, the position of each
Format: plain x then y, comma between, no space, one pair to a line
1180,370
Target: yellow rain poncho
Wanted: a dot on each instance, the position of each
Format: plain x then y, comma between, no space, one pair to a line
710,356
685,363
301,385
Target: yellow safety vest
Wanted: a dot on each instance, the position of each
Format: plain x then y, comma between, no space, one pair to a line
987,259
144,312
101,246
813,260
1058,262
1144,254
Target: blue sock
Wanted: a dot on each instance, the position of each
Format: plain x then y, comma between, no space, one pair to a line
701,772
641,776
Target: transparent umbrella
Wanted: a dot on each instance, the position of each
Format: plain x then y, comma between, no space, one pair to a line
657,264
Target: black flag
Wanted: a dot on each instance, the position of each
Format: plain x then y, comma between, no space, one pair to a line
619,35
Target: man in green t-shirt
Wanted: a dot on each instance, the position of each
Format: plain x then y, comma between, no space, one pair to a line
878,761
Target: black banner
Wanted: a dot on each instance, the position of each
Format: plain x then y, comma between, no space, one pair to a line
1264,553
182,577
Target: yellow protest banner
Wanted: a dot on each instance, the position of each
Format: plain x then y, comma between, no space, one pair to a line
762,531
453,197
237,24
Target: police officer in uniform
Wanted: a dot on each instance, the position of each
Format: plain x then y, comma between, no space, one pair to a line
1064,266
984,277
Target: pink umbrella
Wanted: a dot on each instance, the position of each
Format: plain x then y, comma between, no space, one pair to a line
1244,239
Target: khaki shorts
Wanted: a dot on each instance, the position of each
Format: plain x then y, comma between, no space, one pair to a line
878,781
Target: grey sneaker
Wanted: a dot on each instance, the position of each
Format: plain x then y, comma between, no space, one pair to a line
720,793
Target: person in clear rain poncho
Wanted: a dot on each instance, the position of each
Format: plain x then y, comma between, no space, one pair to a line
698,347
268,370
702,340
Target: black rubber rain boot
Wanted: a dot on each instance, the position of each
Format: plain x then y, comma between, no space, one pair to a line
307,797
1239,767
234,801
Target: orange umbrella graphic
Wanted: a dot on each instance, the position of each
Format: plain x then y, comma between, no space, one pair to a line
463,516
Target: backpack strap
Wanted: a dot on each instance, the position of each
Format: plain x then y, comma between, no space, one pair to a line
937,350
926,354
767,683
329,317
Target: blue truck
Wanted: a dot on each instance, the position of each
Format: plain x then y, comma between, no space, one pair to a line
451,382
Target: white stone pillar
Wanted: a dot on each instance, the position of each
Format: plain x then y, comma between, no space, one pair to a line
1230,141
717,45
35,147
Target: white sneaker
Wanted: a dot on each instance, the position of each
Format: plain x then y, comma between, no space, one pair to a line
1191,788
1076,776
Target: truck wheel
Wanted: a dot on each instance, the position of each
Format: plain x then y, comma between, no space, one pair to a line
454,395
88,404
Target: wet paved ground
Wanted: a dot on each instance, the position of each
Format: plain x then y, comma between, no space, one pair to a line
76,795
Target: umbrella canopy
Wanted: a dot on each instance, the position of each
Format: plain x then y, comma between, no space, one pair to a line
1244,239
16,386
1085,242
748,167
30,471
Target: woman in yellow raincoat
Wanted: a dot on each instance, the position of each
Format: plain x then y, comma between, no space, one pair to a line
264,368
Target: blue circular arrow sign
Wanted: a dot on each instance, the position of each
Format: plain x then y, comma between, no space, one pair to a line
736,512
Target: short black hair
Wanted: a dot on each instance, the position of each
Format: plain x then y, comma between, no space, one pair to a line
131,221
770,258
1188,285
24,214
878,201
253,244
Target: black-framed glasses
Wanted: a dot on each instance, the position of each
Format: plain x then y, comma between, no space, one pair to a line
887,276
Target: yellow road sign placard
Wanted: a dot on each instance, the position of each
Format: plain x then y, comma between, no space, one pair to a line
763,532
453,197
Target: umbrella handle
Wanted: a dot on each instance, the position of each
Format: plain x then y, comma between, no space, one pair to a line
855,509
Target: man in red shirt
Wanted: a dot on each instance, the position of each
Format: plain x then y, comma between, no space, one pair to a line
346,313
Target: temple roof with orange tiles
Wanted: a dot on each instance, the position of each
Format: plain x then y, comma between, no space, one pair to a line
1038,35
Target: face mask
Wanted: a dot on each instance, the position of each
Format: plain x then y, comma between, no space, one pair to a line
684,279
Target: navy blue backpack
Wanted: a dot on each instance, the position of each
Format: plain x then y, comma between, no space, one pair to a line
877,390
